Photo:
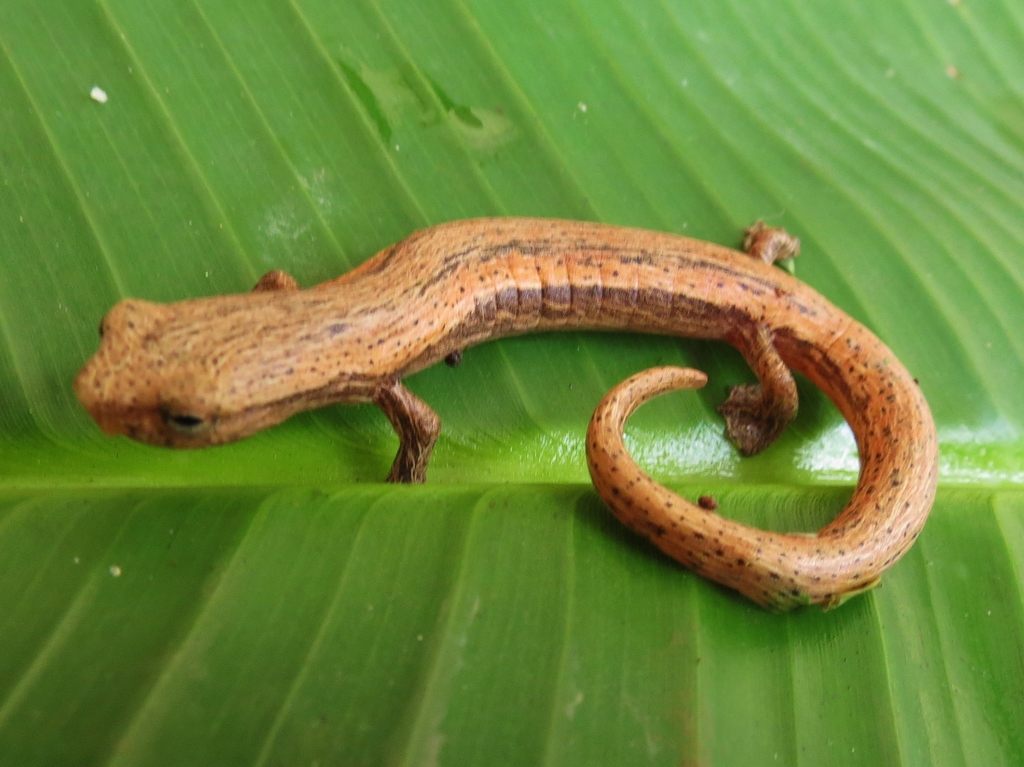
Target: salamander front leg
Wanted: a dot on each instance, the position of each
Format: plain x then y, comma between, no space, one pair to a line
755,414
417,427
275,280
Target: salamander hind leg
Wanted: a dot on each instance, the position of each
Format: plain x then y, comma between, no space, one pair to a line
755,414
769,243
417,427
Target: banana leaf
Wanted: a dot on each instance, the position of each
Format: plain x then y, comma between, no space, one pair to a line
273,602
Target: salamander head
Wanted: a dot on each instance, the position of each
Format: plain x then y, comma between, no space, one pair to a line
213,370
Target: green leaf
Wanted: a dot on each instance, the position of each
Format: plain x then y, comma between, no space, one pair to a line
272,602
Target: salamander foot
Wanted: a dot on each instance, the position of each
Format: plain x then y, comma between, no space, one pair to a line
751,423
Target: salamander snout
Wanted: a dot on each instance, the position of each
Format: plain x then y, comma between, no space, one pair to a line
120,385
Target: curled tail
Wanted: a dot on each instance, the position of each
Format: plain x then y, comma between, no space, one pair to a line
777,570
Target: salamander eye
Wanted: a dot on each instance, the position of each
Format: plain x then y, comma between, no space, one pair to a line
184,422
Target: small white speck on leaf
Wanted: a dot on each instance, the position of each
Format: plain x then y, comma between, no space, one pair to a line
570,710
98,95
952,72
76,560
582,107
115,571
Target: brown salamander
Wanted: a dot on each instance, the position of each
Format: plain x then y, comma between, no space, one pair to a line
213,370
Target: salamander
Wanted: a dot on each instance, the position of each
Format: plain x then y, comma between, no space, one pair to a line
213,370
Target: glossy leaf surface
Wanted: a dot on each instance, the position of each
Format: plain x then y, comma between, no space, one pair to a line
271,602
